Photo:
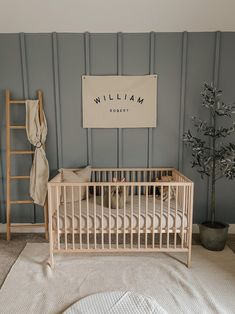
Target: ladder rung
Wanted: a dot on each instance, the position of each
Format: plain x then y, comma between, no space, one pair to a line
22,152
18,127
22,202
19,177
27,225
17,101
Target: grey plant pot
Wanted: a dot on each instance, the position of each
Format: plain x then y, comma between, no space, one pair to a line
213,236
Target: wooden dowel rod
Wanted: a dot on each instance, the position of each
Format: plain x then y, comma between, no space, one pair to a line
26,225
19,177
22,152
22,202
16,102
122,250
18,127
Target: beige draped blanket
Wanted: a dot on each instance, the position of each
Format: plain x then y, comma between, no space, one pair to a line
36,133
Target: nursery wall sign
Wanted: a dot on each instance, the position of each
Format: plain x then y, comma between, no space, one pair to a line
119,101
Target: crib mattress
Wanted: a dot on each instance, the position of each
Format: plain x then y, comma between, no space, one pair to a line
138,219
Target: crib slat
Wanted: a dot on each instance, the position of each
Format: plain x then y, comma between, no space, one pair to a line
124,220
92,176
176,213
189,214
168,216
50,213
139,196
65,218
146,216
95,217
154,210
182,228
122,175
132,195
128,177
73,239
109,200
138,175
87,217
161,213
145,180
133,179
117,204
102,216
190,224
186,213
80,216
58,217
99,188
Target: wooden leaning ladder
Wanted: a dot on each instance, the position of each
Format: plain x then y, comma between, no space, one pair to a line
9,177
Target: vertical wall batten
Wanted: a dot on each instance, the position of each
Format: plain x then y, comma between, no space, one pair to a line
119,72
87,71
217,59
182,99
24,66
151,71
25,80
57,100
215,82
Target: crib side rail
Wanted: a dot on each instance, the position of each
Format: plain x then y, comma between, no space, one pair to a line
86,218
134,174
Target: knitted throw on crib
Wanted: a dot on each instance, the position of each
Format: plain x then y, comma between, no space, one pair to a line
36,134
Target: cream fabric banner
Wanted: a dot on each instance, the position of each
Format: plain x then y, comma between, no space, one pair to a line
119,101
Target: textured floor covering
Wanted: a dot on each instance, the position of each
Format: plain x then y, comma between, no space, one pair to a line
33,287
9,251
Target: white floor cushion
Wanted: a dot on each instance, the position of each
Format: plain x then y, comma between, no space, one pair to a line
116,302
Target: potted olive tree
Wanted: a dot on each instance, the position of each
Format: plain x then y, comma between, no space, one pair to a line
213,157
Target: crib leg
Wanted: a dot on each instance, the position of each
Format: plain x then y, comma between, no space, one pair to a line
189,259
51,260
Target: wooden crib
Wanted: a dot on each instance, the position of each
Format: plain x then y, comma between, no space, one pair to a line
150,220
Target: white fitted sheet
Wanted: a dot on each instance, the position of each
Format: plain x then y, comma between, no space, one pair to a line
140,220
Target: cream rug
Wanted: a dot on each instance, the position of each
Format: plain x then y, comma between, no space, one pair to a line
33,287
